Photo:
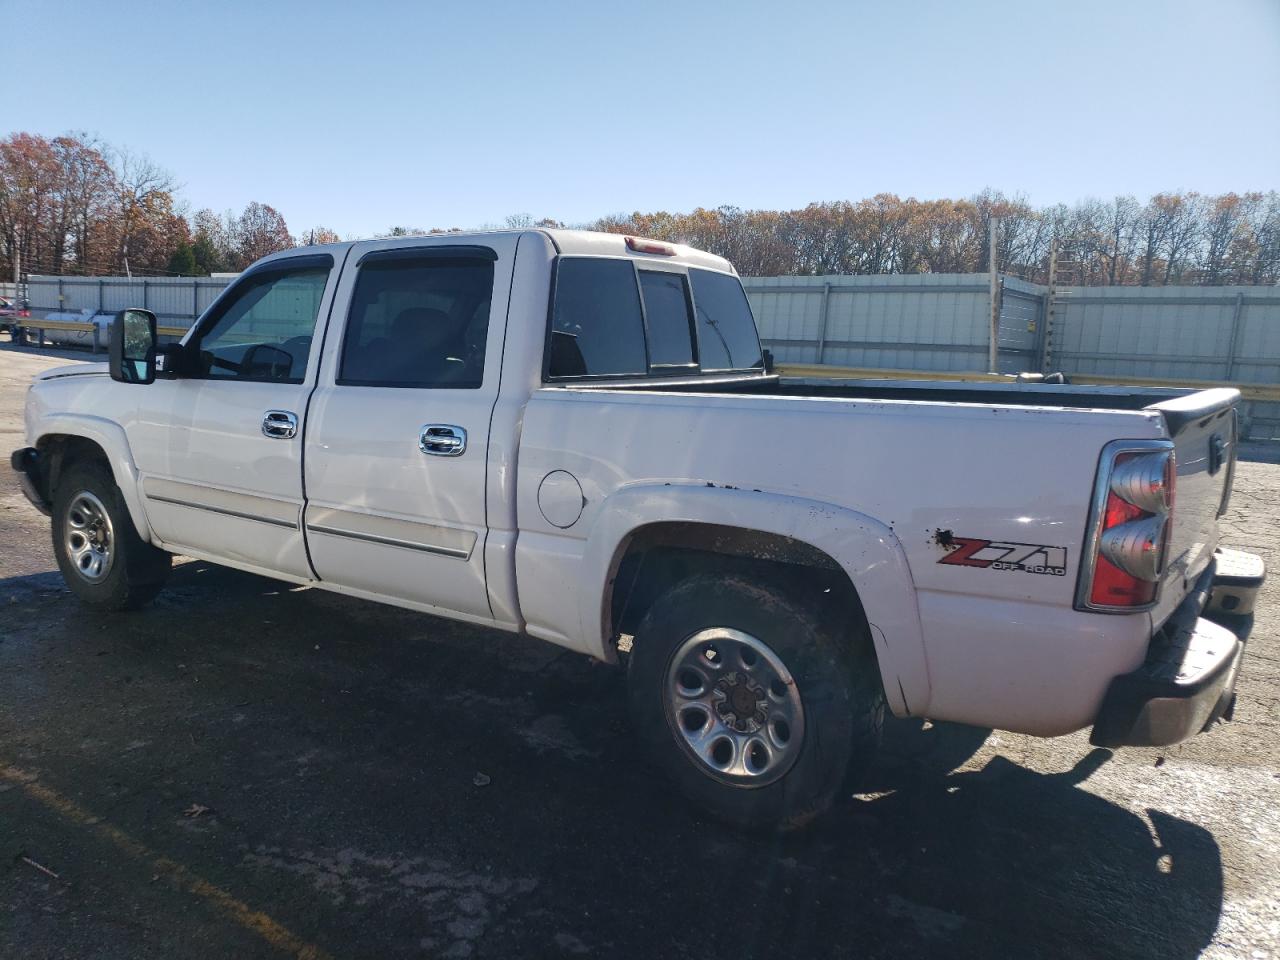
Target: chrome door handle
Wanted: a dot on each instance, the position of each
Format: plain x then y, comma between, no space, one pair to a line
442,440
280,425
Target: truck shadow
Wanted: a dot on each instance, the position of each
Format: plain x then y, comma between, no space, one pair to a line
392,784
1007,861
913,749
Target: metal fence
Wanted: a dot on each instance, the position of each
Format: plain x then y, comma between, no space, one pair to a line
922,322
902,322
1195,333
176,301
940,323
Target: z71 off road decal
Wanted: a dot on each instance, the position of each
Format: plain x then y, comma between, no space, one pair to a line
1003,555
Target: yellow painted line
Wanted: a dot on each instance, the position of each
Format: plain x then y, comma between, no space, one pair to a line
88,327
876,373
1266,393
255,921
57,325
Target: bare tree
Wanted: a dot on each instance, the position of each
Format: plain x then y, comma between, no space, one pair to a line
139,183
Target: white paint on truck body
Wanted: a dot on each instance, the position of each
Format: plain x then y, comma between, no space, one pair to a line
352,504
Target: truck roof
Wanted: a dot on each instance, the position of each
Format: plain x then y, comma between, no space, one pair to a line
591,243
598,244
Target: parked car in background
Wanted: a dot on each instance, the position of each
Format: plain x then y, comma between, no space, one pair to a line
578,437
10,311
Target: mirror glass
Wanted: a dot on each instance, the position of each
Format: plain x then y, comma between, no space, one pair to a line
139,342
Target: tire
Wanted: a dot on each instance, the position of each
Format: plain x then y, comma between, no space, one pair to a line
772,781
103,560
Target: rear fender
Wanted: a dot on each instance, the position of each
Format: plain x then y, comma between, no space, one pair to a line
867,550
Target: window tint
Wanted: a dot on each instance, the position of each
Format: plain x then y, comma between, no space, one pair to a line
264,331
726,332
596,325
418,323
666,312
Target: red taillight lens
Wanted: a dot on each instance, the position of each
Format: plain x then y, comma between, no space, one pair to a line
1119,511
1131,539
1112,587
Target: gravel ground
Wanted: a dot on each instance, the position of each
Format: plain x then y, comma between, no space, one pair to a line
251,769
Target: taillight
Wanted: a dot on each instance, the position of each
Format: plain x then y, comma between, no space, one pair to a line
1130,524
639,245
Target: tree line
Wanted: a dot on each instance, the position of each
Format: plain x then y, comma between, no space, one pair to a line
75,205
1171,238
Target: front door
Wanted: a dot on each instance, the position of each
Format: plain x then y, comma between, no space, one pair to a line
219,448
398,435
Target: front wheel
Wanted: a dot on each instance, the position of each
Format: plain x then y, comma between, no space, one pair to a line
102,558
754,701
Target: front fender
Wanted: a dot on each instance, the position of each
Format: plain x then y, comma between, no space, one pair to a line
110,436
867,550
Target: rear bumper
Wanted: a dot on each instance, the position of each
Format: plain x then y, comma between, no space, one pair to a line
28,465
1237,578
1188,679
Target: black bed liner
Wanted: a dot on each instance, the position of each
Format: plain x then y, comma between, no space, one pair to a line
1179,406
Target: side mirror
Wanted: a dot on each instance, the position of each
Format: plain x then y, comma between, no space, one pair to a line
132,353
767,356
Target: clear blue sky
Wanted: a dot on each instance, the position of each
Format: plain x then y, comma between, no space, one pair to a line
360,115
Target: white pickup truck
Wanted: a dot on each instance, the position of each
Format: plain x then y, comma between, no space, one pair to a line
577,436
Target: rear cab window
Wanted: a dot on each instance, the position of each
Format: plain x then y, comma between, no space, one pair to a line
667,314
727,338
597,327
621,318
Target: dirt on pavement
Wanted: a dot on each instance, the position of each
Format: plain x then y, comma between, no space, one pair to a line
251,769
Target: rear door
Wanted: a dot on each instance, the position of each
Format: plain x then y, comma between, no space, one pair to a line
398,430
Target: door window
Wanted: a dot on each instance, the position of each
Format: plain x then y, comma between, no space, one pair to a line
418,323
263,331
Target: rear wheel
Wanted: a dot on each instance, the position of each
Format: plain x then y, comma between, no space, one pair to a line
752,700
102,558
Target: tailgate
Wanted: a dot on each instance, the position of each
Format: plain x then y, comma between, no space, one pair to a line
1202,426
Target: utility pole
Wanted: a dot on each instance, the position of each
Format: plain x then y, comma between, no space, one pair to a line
993,347
1050,308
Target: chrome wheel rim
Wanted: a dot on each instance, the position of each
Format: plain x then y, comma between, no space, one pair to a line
734,707
89,538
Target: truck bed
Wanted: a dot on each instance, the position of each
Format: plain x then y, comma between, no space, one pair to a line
1179,407
1199,422
1024,394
